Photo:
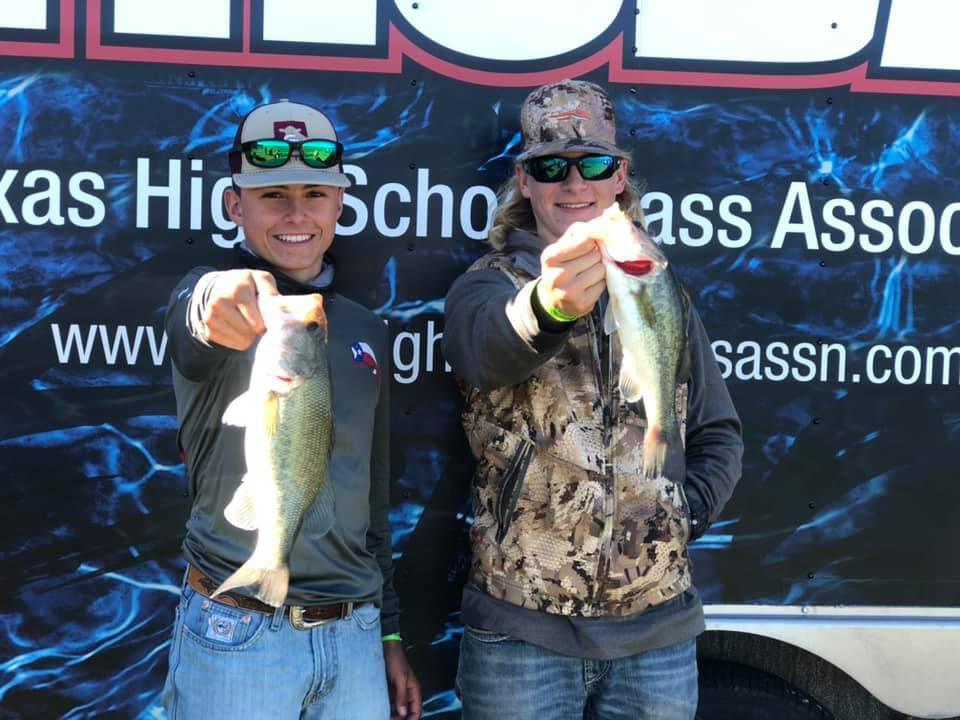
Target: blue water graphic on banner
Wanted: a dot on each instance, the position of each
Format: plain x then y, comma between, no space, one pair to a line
97,495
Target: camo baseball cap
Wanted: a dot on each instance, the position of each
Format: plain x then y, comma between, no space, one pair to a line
569,116
284,120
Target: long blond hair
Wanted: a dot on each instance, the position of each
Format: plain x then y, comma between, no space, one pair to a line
514,211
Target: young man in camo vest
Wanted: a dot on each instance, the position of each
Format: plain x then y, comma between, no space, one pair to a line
579,601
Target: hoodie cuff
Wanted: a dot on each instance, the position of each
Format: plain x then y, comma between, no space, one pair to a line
525,322
547,322
699,516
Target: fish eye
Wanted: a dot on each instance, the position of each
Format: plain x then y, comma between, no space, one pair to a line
313,326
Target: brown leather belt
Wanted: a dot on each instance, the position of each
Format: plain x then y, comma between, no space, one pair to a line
302,617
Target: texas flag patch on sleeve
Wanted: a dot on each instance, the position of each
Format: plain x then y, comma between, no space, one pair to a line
363,355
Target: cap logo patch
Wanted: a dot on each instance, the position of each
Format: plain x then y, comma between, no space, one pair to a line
577,114
290,130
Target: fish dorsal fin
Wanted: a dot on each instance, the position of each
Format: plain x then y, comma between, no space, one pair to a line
320,516
241,511
609,320
237,411
630,385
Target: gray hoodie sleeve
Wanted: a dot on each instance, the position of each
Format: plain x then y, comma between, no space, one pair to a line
491,336
714,434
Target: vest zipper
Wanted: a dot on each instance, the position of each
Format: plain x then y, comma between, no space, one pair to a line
510,488
609,496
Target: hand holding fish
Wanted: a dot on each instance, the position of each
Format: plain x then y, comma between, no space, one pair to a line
232,316
571,273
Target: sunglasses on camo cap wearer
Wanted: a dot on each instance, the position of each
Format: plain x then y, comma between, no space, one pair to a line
272,153
554,169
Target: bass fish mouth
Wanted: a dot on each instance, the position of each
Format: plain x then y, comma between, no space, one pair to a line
636,268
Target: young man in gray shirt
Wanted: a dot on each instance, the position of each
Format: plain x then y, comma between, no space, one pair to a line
332,650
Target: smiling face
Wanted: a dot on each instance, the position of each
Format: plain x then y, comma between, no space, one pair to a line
558,205
289,226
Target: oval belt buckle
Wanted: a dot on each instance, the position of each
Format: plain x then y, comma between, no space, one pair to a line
296,619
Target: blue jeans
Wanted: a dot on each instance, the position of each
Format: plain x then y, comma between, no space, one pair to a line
233,663
502,677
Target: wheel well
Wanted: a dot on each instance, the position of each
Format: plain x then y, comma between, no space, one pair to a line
731,690
831,687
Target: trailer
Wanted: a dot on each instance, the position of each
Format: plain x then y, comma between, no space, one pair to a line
801,172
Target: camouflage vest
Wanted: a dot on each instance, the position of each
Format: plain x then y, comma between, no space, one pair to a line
564,522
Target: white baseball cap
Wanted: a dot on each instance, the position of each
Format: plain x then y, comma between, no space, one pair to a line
293,122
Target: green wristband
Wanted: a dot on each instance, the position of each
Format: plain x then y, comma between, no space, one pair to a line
558,314
391,636
549,309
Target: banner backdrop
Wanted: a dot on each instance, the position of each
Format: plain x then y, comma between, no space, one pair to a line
815,226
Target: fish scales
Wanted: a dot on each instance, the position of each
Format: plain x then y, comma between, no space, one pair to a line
298,455
652,351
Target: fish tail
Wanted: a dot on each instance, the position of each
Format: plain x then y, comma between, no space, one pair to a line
271,583
654,452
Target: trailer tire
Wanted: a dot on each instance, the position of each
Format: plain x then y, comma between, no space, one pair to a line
729,691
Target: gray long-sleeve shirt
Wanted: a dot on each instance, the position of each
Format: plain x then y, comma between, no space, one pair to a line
354,560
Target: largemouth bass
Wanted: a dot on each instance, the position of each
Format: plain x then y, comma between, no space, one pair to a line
646,308
288,415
